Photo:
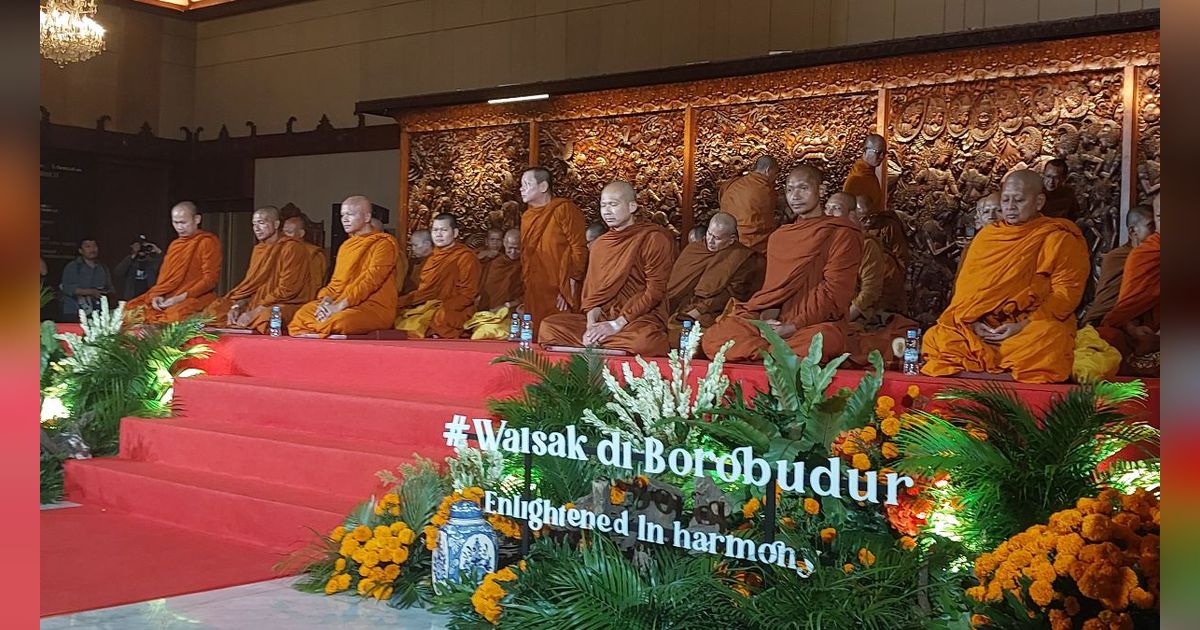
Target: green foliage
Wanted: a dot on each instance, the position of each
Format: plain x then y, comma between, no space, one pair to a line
51,350
51,477
562,391
128,373
421,488
1028,467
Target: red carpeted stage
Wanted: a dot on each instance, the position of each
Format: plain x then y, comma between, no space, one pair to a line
284,436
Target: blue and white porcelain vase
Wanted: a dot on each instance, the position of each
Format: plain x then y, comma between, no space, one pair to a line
467,548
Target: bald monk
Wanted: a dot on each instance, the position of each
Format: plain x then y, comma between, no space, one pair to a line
265,224
885,226
593,232
812,266
500,280
875,318
297,228
624,297
295,277
493,246
451,277
750,198
1132,325
862,180
361,294
420,246
1140,225
699,233
1013,309
1061,201
190,270
401,261
553,250
987,212
710,272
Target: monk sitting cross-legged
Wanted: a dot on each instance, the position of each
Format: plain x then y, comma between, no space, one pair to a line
1132,325
812,266
553,251
295,278
361,294
445,297
297,228
1140,224
750,199
401,261
1013,308
625,293
265,224
420,246
189,273
500,282
710,272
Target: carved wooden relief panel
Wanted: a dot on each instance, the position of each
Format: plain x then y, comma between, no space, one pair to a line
647,151
952,144
825,132
471,173
1149,136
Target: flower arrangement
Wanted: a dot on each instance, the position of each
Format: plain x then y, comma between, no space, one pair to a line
1094,566
475,467
486,599
371,558
503,525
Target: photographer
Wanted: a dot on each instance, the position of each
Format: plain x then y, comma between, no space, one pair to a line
139,268
84,281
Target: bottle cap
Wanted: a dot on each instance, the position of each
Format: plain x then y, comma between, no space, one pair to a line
528,316
912,333
687,323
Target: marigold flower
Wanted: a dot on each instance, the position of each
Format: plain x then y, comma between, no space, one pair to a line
1041,592
751,507
847,568
908,543
339,565
337,534
828,534
431,535
365,586
890,426
913,391
788,522
850,447
811,506
979,620
1141,598
861,461
1059,620
889,450
362,533
616,495
885,402
866,557
1096,527
474,493
976,593
331,586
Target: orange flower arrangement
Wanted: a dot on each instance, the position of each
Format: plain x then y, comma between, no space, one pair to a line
487,596
503,525
1102,554
372,556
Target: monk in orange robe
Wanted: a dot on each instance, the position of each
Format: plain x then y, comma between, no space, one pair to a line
450,276
500,281
885,226
297,228
875,312
750,198
624,297
401,261
554,253
709,273
361,294
1014,302
862,181
812,266
1140,225
593,232
265,224
187,280
1132,325
493,246
420,247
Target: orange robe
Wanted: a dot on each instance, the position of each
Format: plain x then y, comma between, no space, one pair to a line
705,281
262,265
401,268
888,229
812,266
1139,298
500,282
291,284
627,277
1033,272
318,263
413,278
363,277
1108,288
553,252
750,198
1062,204
193,265
880,298
451,276
862,182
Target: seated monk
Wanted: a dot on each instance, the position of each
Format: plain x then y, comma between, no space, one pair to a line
361,294
1013,308
886,227
1140,225
420,247
750,198
297,228
1061,201
593,232
445,297
401,261
265,224
1132,325
699,233
493,246
500,280
187,280
625,293
708,274
812,265
553,251
862,180
875,318
295,278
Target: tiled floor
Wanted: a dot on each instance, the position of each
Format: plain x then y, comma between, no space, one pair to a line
262,606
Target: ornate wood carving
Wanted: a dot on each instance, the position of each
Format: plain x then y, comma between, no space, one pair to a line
471,173
1149,95
951,144
826,132
647,151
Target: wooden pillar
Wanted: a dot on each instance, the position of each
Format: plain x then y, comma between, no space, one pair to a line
687,210
1129,140
533,143
881,121
402,210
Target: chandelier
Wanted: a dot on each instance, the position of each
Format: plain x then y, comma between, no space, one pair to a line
69,33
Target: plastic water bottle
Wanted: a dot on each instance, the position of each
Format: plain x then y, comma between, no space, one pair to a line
527,332
514,328
276,322
683,336
912,351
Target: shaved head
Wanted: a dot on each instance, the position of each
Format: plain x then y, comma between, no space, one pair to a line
721,233
803,192
185,218
356,215
1021,197
987,210
618,203
874,149
1140,223
767,166
495,240
840,204
295,227
420,244
622,189
512,244
265,223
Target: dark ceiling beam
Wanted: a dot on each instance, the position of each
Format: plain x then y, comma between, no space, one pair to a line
1018,34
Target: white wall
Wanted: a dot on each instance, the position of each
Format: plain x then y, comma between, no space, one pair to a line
313,182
